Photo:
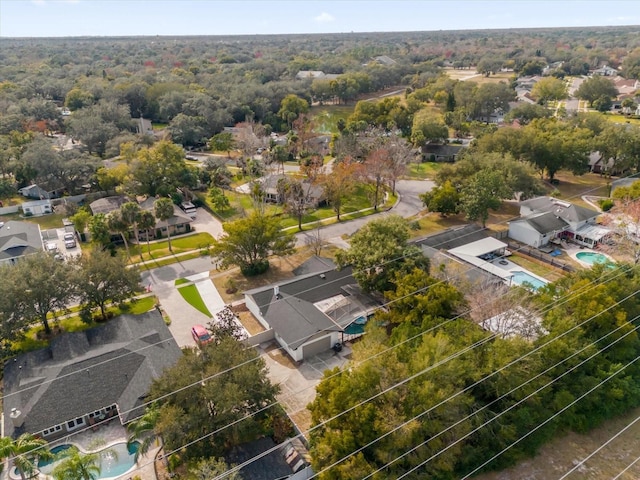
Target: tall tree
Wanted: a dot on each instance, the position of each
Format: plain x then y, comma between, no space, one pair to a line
249,241
159,170
483,192
291,107
117,223
130,212
596,87
146,221
340,183
379,251
233,395
47,286
78,466
444,199
222,142
163,211
24,451
549,89
99,229
143,430
102,278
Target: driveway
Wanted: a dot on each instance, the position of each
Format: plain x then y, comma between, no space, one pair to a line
408,205
205,222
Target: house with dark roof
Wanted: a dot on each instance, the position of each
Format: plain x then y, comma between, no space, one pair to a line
85,378
441,153
19,239
546,218
310,313
314,193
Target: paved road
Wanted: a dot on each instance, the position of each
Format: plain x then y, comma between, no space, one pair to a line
409,205
573,104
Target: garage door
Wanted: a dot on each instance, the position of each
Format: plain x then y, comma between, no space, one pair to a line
321,345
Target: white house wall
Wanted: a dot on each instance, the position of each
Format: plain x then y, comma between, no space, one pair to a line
525,233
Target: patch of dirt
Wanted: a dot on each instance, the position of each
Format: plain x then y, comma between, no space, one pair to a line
283,359
562,454
302,419
249,321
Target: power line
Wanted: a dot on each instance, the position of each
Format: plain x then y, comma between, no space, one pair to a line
626,469
585,459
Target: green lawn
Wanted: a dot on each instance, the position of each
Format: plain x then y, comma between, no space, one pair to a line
192,296
184,243
158,126
326,117
424,170
30,341
46,222
615,118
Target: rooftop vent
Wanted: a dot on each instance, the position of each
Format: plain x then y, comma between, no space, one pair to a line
16,417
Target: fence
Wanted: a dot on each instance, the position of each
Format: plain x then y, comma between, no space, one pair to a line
8,210
538,255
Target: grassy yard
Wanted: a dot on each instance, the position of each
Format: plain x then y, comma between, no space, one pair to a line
72,323
573,187
280,268
192,296
616,118
423,170
46,222
242,205
433,222
185,243
326,116
539,268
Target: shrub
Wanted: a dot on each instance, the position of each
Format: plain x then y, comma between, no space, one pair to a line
606,204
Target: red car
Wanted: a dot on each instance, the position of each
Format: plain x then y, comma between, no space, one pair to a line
201,335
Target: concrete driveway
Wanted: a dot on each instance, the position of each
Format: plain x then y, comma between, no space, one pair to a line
408,206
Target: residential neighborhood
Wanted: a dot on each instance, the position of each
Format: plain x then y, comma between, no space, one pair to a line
301,256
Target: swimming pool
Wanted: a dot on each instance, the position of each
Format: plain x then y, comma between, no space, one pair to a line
520,278
591,257
113,461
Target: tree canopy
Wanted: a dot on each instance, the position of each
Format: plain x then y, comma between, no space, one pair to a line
248,243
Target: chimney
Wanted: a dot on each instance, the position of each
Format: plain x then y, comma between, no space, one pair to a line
16,417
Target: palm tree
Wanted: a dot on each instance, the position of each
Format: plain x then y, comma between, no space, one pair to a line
130,212
146,221
23,451
163,210
142,430
78,466
117,223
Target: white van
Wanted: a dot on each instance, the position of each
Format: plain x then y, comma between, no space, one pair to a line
189,208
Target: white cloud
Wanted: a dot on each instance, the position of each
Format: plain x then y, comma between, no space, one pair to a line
324,17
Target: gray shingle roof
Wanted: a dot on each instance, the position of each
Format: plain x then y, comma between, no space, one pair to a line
546,223
315,264
82,372
565,210
453,237
18,239
107,204
293,315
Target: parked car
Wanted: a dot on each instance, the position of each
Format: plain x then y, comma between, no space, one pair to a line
52,247
69,240
201,335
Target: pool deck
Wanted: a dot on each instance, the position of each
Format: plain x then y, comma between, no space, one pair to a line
514,267
106,436
574,250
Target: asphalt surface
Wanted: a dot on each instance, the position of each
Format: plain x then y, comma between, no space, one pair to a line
408,205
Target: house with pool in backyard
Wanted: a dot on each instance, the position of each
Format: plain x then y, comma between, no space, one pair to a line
84,387
319,309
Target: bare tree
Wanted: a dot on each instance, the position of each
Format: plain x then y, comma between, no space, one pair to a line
315,241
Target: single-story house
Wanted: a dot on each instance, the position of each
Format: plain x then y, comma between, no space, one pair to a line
384,60
546,218
19,239
314,193
107,204
178,224
516,322
310,313
315,75
143,126
597,164
85,378
440,153
605,71
41,192
36,208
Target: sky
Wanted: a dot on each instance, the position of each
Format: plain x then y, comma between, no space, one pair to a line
66,18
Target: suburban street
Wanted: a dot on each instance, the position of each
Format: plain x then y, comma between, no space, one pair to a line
573,104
